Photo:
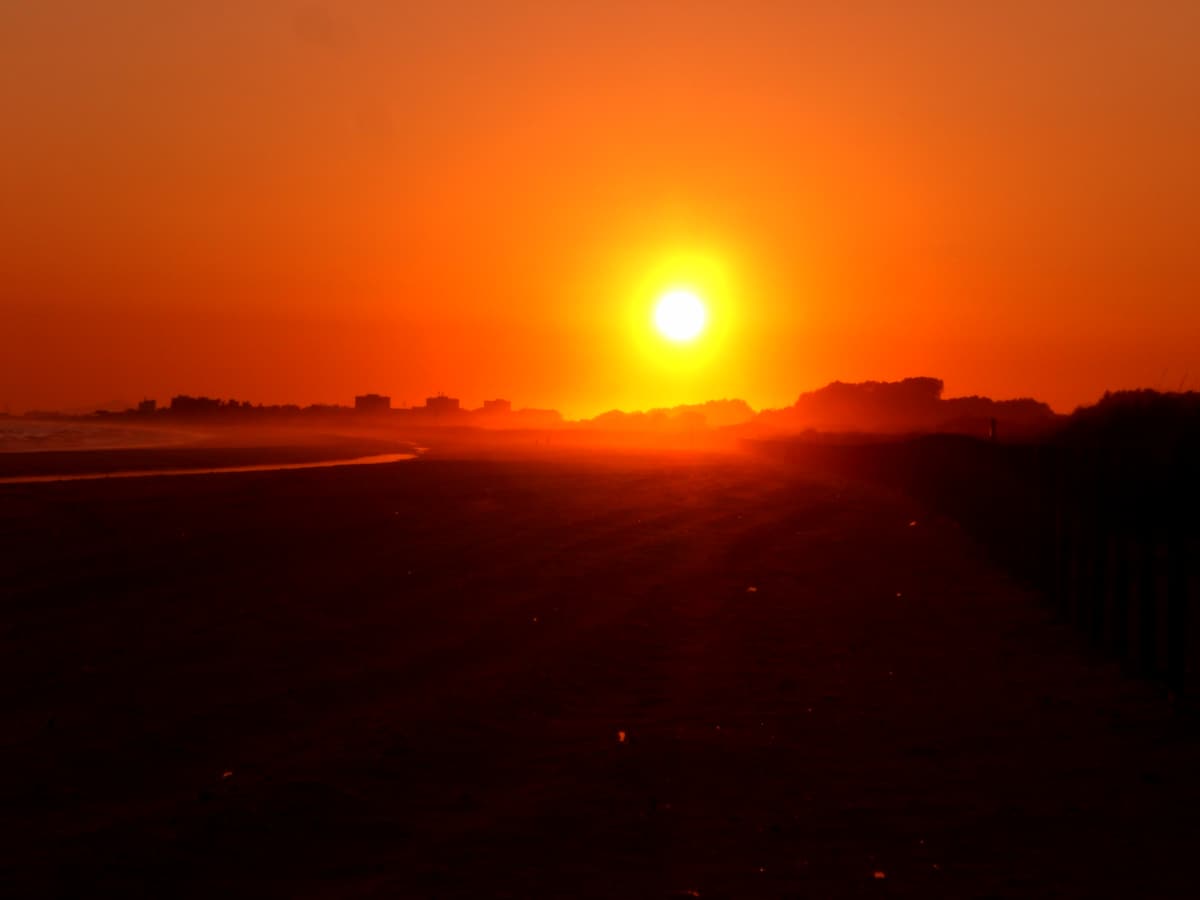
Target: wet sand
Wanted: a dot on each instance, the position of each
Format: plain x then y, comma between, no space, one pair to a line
222,449
630,675
214,470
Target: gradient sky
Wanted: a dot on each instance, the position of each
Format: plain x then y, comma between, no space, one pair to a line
289,202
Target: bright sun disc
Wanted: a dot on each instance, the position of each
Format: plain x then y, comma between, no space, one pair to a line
680,315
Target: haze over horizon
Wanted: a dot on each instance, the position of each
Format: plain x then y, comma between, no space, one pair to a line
299,202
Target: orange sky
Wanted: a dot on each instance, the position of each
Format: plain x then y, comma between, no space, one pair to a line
287,202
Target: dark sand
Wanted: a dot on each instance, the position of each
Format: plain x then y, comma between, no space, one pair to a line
409,680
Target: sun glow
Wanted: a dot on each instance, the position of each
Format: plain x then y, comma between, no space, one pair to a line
680,315
683,310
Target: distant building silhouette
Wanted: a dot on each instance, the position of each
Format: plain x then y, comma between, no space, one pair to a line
442,404
372,403
497,406
147,407
185,405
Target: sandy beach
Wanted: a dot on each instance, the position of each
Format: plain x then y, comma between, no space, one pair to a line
685,675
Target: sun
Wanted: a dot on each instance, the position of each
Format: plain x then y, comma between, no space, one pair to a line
680,315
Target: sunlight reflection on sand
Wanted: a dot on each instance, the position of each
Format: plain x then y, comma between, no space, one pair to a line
213,470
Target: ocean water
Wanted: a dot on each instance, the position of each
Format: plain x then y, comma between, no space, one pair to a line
24,435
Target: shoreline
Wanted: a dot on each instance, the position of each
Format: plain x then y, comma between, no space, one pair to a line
224,452
375,459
